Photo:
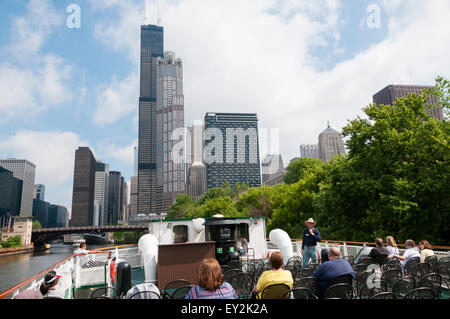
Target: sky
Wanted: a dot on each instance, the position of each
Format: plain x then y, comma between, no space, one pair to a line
69,70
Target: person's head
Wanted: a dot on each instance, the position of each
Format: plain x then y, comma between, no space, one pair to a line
379,242
334,253
83,246
390,241
210,275
51,279
310,223
276,260
424,244
410,244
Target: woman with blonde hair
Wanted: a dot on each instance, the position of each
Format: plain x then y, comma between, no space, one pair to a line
392,246
211,284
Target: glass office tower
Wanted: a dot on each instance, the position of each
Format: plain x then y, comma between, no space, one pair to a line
152,48
170,131
232,149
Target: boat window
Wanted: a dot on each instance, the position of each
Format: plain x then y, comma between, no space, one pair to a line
242,232
180,234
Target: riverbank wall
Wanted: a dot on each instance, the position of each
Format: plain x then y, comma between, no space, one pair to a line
16,250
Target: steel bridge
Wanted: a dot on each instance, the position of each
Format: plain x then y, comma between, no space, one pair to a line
43,235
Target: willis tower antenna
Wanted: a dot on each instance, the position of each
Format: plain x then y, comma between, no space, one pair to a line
152,12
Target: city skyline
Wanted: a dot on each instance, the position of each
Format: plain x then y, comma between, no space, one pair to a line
87,96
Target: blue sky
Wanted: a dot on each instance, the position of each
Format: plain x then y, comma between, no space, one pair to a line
296,63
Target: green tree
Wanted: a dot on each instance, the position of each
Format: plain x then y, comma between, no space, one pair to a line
36,225
182,206
396,178
302,167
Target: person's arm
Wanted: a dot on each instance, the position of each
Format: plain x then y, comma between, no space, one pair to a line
317,235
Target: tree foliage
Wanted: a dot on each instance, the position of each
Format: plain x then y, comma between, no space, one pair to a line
394,181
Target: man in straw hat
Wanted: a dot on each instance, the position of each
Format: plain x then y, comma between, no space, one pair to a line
310,238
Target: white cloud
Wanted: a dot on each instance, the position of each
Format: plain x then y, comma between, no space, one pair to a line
53,153
30,81
124,154
30,30
255,56
119,99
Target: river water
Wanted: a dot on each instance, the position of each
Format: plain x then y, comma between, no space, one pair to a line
15,269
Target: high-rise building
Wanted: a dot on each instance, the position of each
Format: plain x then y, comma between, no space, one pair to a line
170,131
101,192
83,188
123,199
271,166
115,200
48,215
25,171
232,149
331,143
10,195
389,94
133,196
196,170
152,48
40,192
311,151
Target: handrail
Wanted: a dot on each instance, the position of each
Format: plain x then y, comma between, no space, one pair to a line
359,243
29,280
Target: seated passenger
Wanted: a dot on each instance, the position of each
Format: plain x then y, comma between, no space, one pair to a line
331,269
409,253
211,284
379,253
426,250
48,286
275,276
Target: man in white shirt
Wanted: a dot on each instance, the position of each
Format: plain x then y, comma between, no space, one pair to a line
82,251
409,253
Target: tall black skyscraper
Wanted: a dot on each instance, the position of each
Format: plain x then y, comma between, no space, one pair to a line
10,195
152,48
83,188
232,149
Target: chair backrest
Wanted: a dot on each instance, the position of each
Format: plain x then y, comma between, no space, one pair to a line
275,291
384,295
242,284
181,292
299,293
344,279
306,272
324,255
172,286
145,295
368,290
341,291
443,267
432,261
310,283
401,287
420,293
432,281
105,293
420,270
411,264
230,273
